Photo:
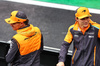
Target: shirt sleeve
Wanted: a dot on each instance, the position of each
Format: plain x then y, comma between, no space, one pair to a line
63,51
12,51
65,46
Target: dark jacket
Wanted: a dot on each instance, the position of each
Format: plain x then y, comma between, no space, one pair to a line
86,50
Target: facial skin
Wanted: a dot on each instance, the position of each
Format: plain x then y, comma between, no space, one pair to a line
84,22
17,25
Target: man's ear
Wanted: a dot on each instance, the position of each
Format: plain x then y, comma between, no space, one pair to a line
76,18
22,24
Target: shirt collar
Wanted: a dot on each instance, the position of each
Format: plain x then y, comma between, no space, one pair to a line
76,27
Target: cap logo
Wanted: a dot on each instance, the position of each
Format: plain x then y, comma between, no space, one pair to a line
84,11
9,21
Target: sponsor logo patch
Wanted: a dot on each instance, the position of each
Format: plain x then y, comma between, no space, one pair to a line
91,36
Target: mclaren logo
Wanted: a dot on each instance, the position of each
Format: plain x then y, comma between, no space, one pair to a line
84,11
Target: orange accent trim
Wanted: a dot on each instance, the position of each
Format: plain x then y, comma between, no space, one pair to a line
99,33
74,56
94,54
68,38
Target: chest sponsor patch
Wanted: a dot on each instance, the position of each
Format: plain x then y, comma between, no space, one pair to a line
91,36
76,36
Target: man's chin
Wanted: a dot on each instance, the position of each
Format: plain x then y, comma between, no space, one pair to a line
14,29
85,25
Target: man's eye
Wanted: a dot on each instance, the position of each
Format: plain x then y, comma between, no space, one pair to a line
83,19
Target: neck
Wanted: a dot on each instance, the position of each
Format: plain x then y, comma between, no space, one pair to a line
83,28
23,26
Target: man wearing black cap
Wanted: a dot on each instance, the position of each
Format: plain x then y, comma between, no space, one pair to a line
25,45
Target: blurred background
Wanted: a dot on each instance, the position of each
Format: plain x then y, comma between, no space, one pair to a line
53,17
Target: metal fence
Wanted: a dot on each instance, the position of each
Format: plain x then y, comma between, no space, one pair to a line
47,58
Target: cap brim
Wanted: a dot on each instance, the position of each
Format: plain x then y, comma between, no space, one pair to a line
9,21
85,16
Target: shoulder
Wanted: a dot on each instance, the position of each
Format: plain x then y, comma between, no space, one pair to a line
17,36
37,29
72,26
95,24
